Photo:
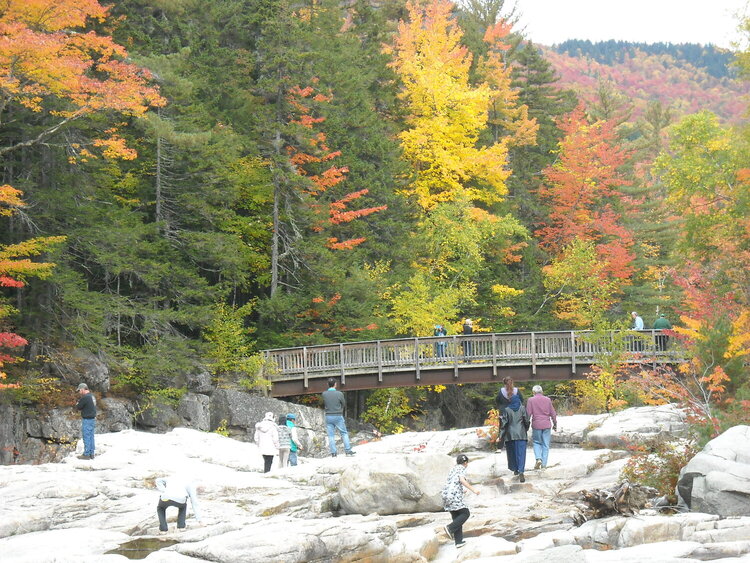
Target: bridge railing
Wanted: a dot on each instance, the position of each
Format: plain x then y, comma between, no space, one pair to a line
438,352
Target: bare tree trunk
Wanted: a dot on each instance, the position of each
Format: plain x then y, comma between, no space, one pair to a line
275,235
158,195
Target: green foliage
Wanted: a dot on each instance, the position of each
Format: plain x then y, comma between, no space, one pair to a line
417,305
387,408
229,349
576,278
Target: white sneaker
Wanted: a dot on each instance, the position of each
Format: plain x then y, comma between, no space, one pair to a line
460,545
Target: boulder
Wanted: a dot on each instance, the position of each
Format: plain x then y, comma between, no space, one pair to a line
114,415
304,540
159,416
637,426
719,531
199,381
572,430
194,412
717,479
91,369
238,412
399,484
486,546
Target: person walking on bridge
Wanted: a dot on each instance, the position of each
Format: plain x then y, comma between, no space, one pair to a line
335,407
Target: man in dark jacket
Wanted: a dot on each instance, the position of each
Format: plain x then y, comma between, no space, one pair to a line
87,405
335,406
662,340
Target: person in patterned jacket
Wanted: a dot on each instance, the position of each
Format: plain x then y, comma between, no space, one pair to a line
453,499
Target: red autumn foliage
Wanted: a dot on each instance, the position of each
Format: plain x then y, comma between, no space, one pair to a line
582,189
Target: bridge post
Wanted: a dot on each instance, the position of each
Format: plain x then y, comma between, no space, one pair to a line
380,362
494,355
572,351
416,358
341,361
455,357
304,367
533,353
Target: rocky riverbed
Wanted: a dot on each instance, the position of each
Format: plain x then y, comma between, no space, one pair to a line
381,505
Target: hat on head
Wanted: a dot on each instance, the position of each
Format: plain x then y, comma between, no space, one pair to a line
82,386
291,416
269,416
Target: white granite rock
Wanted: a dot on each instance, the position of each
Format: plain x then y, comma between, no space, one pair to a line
78,510
394,483
637,425
717,479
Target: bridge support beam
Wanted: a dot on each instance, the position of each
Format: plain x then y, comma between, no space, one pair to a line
445,376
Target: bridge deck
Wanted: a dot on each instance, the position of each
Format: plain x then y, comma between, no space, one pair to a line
453,359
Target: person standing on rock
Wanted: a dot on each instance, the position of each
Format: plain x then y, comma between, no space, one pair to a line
285,441
87,405
295,444
453,500
335,407
515,422
543,421
174,491
267,438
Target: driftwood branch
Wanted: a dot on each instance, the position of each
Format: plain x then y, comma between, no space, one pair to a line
625,499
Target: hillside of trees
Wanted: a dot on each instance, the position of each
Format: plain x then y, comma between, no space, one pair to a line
187,183
717,62
684,78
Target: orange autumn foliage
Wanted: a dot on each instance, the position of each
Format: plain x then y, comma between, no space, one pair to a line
52,66
582,191
15,267
306,158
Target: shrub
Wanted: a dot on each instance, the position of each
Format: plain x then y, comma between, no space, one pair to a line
658,463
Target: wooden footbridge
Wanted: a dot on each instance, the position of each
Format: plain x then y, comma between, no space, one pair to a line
445,360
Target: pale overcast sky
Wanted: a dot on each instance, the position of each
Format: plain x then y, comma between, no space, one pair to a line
674,21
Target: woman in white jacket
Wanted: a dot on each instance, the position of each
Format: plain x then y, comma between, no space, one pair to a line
267,438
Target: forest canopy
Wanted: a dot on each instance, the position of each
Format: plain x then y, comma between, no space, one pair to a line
188,183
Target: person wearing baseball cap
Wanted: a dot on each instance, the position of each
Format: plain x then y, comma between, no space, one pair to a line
87,405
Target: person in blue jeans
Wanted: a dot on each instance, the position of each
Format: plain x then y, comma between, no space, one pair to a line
87,405
335,407
543,421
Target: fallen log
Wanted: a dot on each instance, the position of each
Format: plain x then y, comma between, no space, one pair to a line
625,498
